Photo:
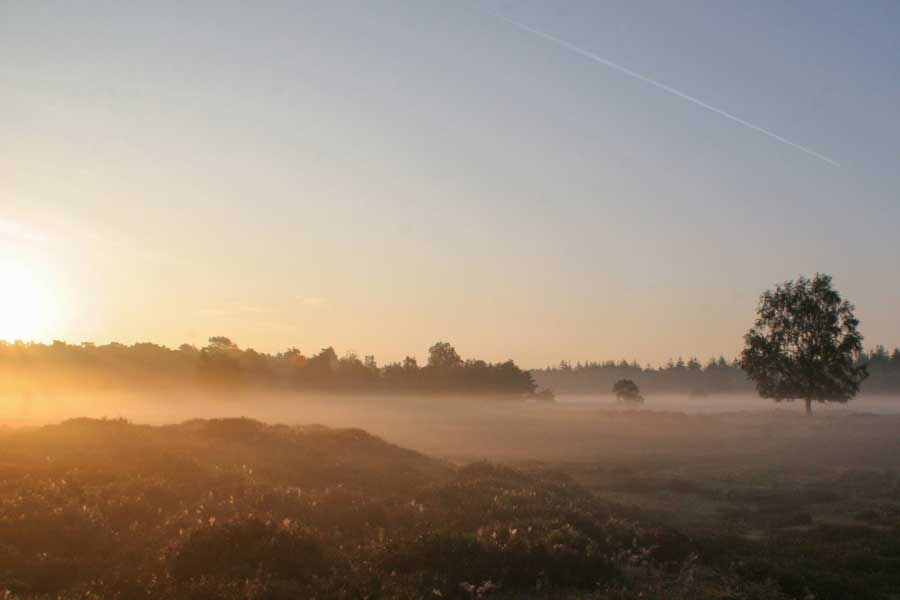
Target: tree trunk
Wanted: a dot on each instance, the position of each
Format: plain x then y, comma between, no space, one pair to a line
809,407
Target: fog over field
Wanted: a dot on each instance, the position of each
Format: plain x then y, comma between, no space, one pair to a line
739,402
442,300
495,428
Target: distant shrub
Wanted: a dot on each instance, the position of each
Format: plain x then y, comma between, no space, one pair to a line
627,391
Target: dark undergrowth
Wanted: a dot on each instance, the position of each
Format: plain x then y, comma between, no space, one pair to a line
238,509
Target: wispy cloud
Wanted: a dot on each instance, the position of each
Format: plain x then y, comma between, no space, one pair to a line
634,74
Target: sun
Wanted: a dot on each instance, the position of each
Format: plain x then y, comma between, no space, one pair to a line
28,308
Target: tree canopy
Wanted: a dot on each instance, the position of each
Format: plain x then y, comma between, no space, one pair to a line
805,344
223,364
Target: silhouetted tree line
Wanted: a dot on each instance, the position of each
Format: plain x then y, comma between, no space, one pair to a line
221,363
693,377
718,375
884,371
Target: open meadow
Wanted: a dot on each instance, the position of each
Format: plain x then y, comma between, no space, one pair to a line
451,497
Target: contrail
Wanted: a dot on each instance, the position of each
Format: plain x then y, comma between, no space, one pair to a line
671,90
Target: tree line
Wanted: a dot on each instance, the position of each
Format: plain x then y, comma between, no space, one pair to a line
717,375
687,377
805,344
222,364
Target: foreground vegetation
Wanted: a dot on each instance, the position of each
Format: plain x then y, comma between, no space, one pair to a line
238,509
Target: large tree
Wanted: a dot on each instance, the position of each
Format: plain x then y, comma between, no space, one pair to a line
805,344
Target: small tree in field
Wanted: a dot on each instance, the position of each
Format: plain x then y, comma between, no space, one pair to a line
627,391
804,344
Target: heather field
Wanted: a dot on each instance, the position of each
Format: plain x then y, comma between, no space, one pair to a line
560,501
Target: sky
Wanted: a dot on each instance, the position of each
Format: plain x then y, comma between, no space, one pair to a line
377,176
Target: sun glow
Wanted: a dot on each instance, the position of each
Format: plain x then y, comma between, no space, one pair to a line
28,308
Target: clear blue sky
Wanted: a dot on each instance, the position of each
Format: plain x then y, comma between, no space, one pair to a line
379,175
